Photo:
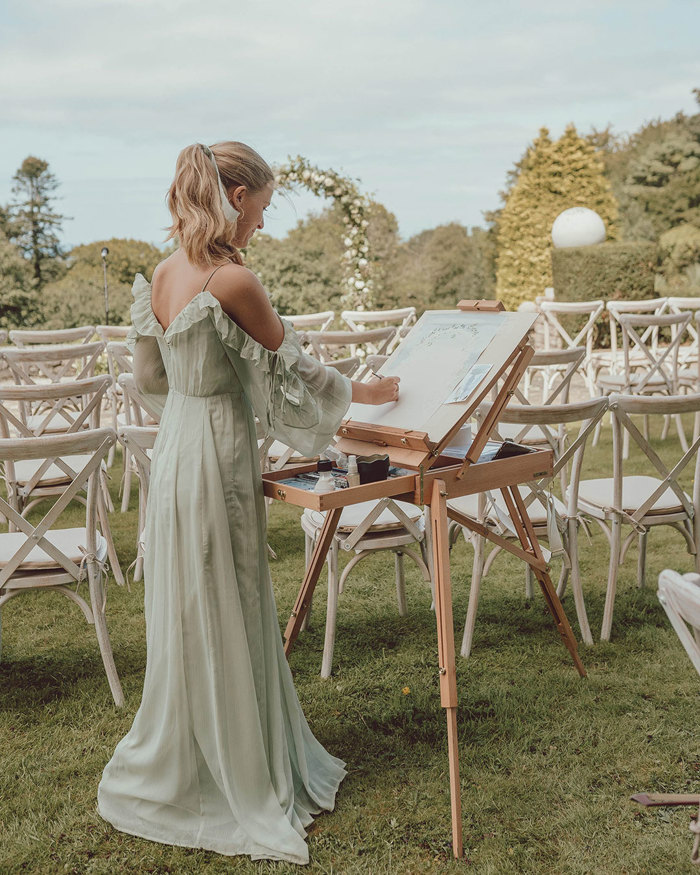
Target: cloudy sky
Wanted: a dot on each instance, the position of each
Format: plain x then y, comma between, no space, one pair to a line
427,103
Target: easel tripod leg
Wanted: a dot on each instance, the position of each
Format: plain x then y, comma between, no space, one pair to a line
446,650
528,539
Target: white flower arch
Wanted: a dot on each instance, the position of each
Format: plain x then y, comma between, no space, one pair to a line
354,205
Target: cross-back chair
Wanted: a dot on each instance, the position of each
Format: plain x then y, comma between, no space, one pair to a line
43,557
29,483
138,442
401,319
328,346
563,365
642,501
568,428
688,353
611,360
364,529
119,361
107,333
140,409
679,595
26,337
33,366
556,318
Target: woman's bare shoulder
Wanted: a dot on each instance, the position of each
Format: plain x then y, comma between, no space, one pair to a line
243,298
235,283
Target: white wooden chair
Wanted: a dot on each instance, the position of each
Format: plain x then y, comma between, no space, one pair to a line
401,320
108,333
557,524
138,442
328,346
27,337
648,367
610,360
44,557
311,321
140,410
29,483
642,501
364,529
119,361
556,333
33,366
688,353
679,595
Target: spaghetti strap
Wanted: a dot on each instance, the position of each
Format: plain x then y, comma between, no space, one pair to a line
210,276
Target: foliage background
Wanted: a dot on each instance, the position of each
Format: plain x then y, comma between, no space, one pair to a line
645,185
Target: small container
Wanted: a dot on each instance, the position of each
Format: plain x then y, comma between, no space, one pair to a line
353,474
325,478
373,468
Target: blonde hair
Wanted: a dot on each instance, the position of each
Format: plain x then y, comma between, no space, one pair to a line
194,199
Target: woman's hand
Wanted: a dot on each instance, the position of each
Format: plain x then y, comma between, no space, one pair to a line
380,390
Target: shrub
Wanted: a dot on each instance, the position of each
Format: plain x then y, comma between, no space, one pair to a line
611,271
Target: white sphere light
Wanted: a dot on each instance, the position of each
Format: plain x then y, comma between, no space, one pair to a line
578,226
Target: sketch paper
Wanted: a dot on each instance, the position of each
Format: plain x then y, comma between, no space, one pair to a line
475,376
432,361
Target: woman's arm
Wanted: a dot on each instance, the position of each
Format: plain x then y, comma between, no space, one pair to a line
243,298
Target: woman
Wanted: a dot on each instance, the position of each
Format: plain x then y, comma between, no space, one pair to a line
219,755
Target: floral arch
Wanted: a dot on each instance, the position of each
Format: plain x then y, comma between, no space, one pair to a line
358,290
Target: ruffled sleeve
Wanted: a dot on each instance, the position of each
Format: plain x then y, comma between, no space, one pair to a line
299,401
149,370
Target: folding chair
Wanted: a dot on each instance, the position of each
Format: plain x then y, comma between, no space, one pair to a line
29,483
25,337
138,443
41,556
364,529
402,320
679,595
642,501
556,333
553,519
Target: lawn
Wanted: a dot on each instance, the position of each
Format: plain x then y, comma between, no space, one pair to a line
548,760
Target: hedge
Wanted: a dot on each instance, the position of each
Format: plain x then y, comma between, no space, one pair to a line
610,271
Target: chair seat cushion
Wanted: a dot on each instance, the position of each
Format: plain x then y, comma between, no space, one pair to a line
467,504
53,476
56,425
68,541
597,495
352,516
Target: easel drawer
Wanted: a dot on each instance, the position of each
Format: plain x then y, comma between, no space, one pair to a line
274,487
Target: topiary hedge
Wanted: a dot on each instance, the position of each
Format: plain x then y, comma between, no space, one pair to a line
607,271
610,271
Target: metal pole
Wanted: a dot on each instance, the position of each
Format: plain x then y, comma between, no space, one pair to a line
104,254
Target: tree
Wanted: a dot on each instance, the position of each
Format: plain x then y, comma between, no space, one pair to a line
77,298
31,222
554,176
18,298
438,267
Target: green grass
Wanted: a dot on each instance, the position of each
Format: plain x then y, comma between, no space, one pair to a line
548,761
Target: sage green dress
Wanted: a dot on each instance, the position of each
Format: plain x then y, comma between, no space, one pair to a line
220,755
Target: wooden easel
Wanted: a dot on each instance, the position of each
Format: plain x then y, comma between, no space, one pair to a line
436,479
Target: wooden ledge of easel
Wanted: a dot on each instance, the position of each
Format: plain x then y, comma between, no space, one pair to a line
385,435
482,306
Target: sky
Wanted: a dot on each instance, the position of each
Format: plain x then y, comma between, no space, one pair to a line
428,103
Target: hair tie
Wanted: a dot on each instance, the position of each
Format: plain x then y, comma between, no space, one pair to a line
230,213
